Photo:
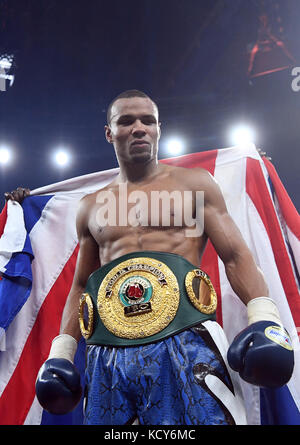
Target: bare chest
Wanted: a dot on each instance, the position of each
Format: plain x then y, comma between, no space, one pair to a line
122,210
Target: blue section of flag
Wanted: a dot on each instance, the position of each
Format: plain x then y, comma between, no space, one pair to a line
15,289
33,207
16,283
278,407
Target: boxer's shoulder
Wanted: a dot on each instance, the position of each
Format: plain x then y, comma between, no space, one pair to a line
90,199
196,178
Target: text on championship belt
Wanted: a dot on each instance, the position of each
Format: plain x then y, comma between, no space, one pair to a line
131,268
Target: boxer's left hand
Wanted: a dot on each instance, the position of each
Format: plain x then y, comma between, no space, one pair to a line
262,353
17,195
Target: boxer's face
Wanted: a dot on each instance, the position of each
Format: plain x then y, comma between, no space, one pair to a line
134,129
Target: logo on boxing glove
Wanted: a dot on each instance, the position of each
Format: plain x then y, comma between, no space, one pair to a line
279,336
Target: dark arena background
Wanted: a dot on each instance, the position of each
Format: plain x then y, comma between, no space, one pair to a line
212,66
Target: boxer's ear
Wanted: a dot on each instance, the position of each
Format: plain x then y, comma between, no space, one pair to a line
108,134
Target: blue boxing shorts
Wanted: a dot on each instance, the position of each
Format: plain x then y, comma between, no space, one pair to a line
181,380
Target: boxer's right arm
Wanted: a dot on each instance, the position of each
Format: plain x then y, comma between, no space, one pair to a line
58,386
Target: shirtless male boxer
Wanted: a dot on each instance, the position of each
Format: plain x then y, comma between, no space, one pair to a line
153,344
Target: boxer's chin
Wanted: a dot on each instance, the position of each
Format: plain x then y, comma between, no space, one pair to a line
141,158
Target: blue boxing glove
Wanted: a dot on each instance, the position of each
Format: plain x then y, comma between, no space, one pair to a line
262,353
58,387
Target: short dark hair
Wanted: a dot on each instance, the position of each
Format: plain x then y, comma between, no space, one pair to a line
126,95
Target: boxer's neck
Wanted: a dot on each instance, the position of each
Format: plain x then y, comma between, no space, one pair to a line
136,172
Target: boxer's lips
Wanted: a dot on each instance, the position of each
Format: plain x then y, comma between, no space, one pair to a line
140,144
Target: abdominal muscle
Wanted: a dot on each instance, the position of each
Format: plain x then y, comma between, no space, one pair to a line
171,240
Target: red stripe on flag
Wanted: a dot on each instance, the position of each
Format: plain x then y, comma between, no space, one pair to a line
289,211
256,188
3,218
19,393
205,159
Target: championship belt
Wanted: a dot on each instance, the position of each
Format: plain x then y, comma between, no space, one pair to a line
144,297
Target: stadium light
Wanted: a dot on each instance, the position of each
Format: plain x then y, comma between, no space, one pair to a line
5,155
175,146
242,135
6,71
62,157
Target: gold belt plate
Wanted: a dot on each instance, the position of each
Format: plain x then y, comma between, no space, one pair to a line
203,296
86,301
138,298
